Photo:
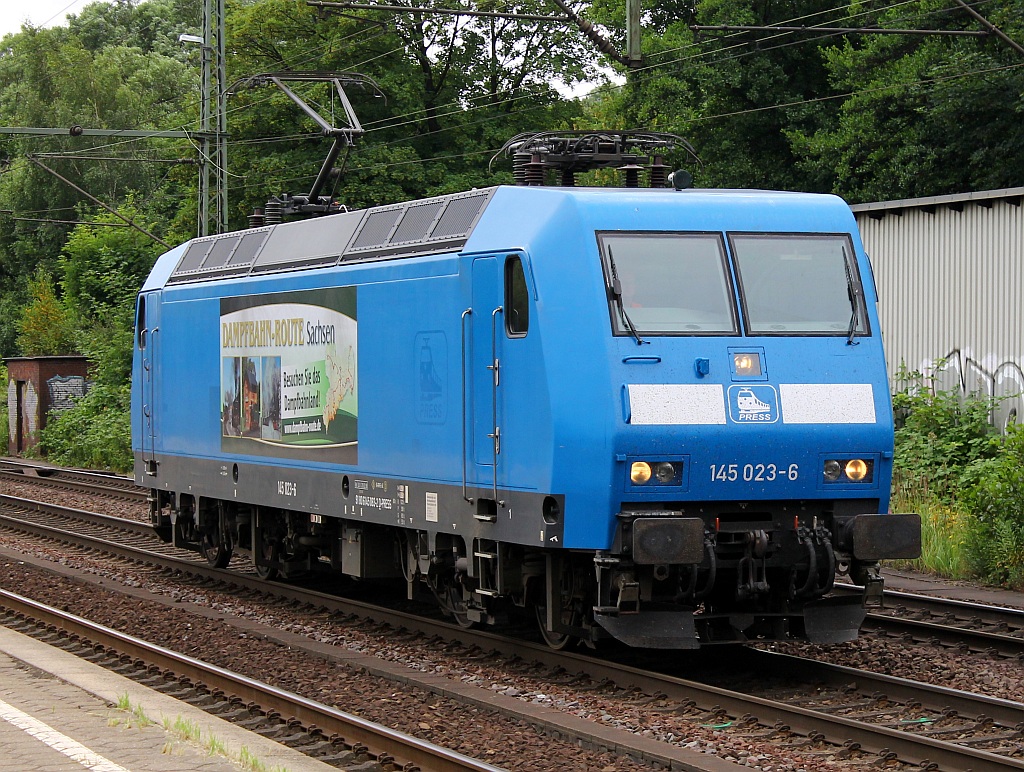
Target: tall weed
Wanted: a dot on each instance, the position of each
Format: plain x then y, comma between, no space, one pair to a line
939,434
965,480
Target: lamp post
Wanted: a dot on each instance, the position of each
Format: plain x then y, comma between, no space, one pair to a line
212,139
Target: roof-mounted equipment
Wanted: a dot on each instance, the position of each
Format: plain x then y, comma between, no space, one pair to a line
566,153
344,136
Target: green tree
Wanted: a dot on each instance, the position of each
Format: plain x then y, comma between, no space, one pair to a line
454,90
45,327
921,116
59,78
103,269
869,117
105,262
733,96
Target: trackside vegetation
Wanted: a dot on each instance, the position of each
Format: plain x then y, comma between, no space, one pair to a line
99,272
963,477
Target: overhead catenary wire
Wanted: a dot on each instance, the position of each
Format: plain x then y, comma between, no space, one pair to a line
489,102
394,122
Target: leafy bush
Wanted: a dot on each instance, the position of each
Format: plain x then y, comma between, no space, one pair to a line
965,480
995,544
940,434
95,434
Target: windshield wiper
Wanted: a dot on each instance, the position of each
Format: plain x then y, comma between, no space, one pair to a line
616,295
855,290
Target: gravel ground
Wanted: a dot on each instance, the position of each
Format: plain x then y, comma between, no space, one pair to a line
469,730
116,507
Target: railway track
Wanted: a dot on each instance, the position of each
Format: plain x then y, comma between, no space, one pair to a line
966,627
955,624
79,480
344,740
877,716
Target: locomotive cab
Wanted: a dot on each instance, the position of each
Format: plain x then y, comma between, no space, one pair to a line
757,469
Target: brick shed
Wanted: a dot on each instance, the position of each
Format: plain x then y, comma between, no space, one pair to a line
37,386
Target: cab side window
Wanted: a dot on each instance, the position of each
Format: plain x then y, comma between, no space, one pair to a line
517,298
140,322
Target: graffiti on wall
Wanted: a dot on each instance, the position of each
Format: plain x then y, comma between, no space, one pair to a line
1005,383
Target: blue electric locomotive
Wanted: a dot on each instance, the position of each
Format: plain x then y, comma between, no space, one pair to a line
660,415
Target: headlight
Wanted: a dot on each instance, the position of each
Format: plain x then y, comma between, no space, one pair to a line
746,364
856,469
664,472
656,473
640,472
848,470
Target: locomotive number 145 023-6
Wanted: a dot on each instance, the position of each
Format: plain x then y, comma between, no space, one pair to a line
754,472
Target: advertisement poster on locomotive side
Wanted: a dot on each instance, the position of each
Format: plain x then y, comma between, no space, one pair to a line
289,375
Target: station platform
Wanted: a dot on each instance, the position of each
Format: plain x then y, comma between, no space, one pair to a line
58,713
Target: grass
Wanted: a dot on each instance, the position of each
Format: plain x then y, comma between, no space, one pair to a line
253,764
189,731
215,747
183,729
136,715
944,529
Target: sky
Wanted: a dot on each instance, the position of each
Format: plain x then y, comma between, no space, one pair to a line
39,13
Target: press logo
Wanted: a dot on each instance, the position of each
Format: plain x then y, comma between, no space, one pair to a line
431,365
753,404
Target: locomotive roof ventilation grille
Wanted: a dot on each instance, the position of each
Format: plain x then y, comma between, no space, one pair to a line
401,230
219,257
418,227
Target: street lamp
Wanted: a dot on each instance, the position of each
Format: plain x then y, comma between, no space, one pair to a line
212,142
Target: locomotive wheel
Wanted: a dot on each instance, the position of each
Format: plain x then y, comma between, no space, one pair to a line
557,641
454,605
267,550
269,553
568,610
217,554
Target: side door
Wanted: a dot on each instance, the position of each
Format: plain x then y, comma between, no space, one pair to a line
499,318
147,336
484,379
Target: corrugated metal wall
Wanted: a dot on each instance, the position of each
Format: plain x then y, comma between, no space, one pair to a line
950,278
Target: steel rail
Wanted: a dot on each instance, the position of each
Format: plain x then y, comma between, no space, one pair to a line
936,604
88,482
962,630
42,469
984,610
908,747
380,740
94,518
86,486
937,698
1001,644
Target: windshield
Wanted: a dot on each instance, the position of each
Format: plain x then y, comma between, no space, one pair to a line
668,283
803,284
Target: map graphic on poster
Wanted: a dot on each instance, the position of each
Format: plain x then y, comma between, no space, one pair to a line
289,374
